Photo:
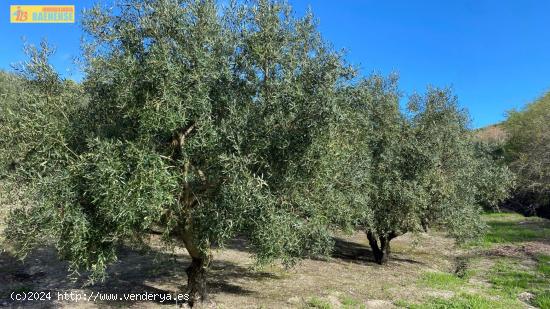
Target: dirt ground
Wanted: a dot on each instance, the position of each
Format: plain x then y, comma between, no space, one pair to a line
348,279
234,283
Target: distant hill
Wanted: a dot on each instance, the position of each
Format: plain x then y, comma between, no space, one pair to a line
493,133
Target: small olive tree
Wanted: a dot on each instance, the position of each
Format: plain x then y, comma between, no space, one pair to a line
459,175
193,122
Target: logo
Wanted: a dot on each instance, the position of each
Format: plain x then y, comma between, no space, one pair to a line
42,14
19,15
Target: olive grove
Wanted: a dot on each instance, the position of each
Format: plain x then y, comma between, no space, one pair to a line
202,123
407,169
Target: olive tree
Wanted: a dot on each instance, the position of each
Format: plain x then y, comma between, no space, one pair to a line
193,122
459,175
418,167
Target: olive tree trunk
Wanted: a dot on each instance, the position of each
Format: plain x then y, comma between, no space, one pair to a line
380,245
197,271
425,225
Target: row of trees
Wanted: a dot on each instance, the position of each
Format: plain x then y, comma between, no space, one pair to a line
202,124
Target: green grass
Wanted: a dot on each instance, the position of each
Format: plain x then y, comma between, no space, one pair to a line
508,277
319,303
509,281
542,300
544,265
351,303
463,301
441,280
510,228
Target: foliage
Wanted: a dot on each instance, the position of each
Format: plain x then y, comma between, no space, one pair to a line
415,168
193,122
528,153
451,169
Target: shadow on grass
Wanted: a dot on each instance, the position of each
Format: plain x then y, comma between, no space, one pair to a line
136,272
517,231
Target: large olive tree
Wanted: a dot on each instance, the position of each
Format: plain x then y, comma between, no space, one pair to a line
191,121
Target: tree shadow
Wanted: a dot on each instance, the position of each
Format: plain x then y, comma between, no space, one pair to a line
344,249
502,232
149,275
353,252
239,243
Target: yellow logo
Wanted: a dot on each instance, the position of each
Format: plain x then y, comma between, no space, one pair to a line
42,13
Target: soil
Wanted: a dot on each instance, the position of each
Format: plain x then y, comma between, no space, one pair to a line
234,282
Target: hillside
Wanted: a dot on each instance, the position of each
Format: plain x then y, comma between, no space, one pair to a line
494,133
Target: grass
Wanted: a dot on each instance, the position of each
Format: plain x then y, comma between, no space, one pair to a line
351,303
510,282
508,276
345,302
318,303
512,228
542,300
544,265
440,280
462,301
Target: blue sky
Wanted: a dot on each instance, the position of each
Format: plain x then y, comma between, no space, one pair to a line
495,54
